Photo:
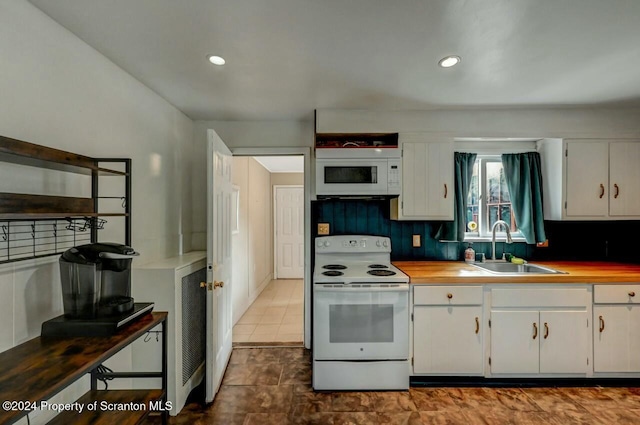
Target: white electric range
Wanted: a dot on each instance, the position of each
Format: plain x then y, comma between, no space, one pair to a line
360,315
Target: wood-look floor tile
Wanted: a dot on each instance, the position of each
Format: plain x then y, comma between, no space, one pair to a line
355,418
272,386
450,417
432,399
553,400
399,418
618,416
515,399
216,417
264,355
295,373
253,374
295,355
239,356
592,399
253,399
394,401
353,401
473,397
320,418
267,419
625,398
310,402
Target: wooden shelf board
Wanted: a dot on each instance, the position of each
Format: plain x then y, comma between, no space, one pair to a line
45,366
108,172
29,154
113,398
12,203
53,216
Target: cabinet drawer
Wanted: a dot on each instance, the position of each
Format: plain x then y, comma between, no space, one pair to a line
447,295
540,297
616,294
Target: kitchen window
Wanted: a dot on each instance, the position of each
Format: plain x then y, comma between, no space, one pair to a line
488,200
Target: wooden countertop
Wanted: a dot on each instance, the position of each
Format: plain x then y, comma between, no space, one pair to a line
458,272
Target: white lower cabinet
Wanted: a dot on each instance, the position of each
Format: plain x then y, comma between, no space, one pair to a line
529,341
447,330
543,330
539,331
616,329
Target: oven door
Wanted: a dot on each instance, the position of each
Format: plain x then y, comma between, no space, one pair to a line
351,176
361,323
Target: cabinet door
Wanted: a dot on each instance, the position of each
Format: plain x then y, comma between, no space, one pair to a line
587,179
427,180
624,178
447,339
616,338
563,342
514,341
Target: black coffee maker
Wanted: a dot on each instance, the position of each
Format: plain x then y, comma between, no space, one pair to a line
96,291
96,280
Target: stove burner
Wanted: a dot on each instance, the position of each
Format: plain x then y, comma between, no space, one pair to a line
332,273
378,266
334,267
381,272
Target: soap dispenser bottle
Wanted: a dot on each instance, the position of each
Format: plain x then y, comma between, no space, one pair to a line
469,254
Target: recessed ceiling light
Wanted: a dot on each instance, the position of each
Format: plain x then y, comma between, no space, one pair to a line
449,61
216,60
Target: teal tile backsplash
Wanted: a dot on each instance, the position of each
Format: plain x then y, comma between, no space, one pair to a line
372,218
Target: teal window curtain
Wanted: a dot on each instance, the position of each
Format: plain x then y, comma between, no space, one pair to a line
523,174
463,169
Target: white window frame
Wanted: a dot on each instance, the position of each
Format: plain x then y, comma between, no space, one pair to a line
484,233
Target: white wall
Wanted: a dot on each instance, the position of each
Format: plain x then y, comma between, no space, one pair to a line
253,244
287,179
57,91
238,134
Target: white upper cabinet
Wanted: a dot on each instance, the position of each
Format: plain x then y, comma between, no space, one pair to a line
427,179
587,169
624,179
590,179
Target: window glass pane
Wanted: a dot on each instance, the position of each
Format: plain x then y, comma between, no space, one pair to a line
473,199
496,198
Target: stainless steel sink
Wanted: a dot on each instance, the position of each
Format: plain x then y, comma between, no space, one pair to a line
510,268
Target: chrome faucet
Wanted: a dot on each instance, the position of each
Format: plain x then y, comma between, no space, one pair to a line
493,237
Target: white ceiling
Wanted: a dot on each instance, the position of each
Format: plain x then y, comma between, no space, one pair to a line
282,164
286,58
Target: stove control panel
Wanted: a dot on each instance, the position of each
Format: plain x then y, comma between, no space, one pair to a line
352,244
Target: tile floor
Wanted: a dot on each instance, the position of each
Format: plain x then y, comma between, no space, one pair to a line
275,316
273,386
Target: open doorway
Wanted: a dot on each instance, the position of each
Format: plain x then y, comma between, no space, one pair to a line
268,250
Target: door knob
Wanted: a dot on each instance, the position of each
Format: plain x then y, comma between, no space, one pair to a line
217,284
203,284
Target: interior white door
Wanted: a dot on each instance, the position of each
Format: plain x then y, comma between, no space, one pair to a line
289,223
219,319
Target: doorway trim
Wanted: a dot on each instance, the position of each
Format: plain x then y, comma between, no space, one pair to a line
306,153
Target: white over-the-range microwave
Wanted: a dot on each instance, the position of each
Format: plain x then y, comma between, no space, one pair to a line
358,171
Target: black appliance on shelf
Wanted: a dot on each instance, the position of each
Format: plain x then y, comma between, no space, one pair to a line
96,291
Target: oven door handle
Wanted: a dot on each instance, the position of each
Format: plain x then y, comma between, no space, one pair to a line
348,288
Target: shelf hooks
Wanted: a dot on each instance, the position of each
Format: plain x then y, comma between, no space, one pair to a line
5,234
